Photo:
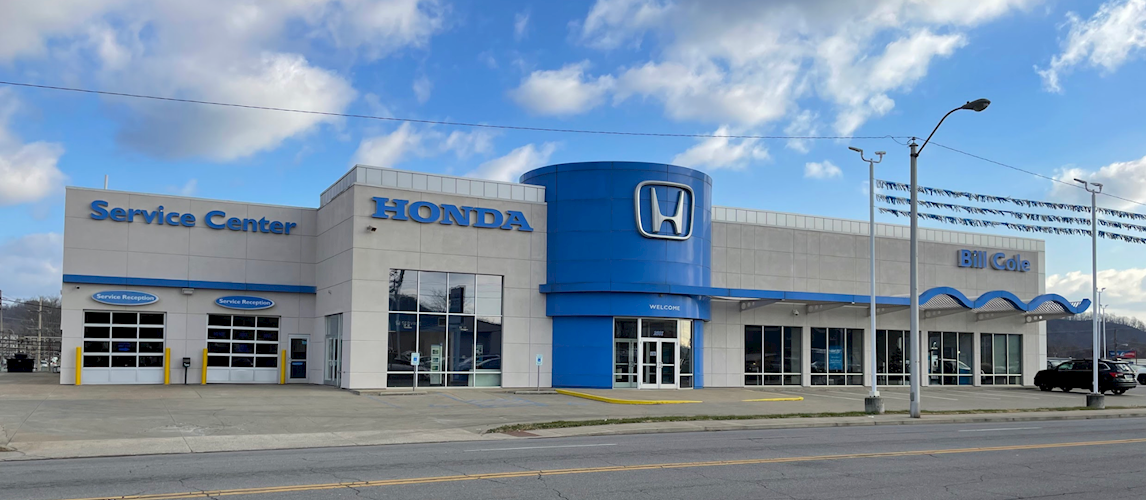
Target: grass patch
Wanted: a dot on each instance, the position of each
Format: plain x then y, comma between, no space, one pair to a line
563,424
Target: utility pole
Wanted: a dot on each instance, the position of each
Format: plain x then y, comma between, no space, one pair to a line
1095,399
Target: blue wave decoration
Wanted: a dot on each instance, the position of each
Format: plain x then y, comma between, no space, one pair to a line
1011,298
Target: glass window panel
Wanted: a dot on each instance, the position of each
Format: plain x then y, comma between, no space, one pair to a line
855,351
986,362
151,347
753,349
120,318
242,348
151,318
896,349
881,352
771,361
623,328
752,380
242,362
966,355
123,361
819,353
658,328
489,295
1014,354
151,361
792,342
950,352
265,336
218,347
685,346
123,332
97,346
243,321
242,335
403,342
218,320
836,361
461,344
97,332
432,343
97,317
489,337
432,292
298,349
266,349
218,361
1000,342
267,362
267,322
217,334
96,361
400,380
462,293
403,291
123,347
458,379
934,342
150,333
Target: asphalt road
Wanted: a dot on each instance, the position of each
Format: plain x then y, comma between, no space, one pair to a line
1102,459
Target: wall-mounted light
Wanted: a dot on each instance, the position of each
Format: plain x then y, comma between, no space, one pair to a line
188,291
371,228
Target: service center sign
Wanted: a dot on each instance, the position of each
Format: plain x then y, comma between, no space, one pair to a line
124,298
215,219
978,259
244,302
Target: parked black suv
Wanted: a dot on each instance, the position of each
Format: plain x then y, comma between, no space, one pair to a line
1078,374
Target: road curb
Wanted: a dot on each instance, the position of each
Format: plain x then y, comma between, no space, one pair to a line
618,401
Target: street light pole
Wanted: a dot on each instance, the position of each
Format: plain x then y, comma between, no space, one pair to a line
873,403
976,106
1095,398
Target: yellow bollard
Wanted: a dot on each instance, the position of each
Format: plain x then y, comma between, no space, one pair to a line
282,367
204,382
167,366
79,364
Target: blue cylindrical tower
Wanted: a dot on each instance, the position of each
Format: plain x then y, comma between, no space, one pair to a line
625,239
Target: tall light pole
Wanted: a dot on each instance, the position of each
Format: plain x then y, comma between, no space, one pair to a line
976,105
873,403
1095,398
1104,339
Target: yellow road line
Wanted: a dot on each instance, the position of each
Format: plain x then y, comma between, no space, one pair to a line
589,470
618,401
797,398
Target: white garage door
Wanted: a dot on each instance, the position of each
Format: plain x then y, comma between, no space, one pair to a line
123,347
242,349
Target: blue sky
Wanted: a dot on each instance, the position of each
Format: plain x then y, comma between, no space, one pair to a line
1064,78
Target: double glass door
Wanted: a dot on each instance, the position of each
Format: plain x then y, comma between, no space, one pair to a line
658,364
652,353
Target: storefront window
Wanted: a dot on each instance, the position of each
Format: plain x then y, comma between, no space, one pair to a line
123,339
453,321
837,354
949,358
772,355
892,357
1001,357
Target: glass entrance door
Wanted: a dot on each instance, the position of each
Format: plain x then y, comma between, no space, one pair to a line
659,364
333,372
625,363
296,369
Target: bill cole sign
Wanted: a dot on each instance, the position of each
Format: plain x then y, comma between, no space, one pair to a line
215,219
978,259
124,298
244,302
448,215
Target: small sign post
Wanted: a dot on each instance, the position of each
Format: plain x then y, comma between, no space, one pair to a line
415,359
538,362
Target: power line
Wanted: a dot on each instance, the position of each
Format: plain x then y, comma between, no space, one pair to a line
438,122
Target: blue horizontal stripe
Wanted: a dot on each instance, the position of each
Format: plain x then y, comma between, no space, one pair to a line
206,285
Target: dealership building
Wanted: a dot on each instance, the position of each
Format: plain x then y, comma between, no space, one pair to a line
583,275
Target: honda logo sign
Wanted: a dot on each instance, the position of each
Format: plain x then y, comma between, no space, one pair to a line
670,220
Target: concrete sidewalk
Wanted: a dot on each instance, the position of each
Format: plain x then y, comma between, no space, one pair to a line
41,419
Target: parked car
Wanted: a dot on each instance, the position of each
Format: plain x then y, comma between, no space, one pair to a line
1078,374
1140,372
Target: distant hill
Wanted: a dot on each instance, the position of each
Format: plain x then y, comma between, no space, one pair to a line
1072,337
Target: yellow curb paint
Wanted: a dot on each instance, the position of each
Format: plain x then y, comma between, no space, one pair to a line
797,398
266,490
618,401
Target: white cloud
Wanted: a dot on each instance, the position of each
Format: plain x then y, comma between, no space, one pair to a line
821,170
803,124
486,58
1125,289
722,152
509,168
1114,34
28,172
748,62
565,91
1125,179
520,25
218,50
422,88
407,141
32,264
187,189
